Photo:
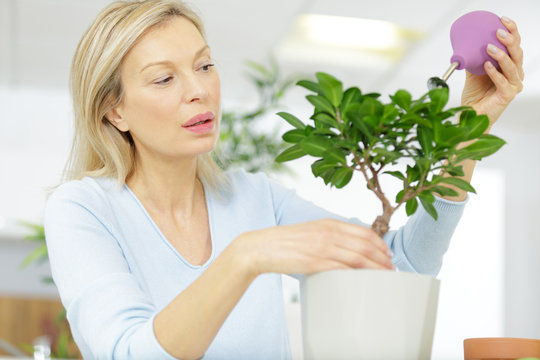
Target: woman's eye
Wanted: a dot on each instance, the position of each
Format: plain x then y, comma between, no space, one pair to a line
163,81
206,67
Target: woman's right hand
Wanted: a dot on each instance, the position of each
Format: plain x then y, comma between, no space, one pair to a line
310,247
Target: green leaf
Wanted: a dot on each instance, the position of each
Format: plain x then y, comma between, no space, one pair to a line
373,95
366,115
291,119
400,195
466,118
422,164
320,166
385,156
425,138
439,98
449,135
410,206
370,106
444,191
39,255
259,68
359,123
457,182
486,145
310,85
411,118
456,171
294,136
324,118
427,200
315,145
390,113
351,96
395,174
327,175
372,120
341,177
62,344
324,131
331,87
418,107
402,99
412,174
321,104
291,153
476,125
335,155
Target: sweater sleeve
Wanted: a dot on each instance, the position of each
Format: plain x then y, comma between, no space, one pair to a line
110,316
418,246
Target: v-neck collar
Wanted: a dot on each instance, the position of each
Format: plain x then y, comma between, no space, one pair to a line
209,209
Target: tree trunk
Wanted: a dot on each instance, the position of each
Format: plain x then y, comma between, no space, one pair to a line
380,225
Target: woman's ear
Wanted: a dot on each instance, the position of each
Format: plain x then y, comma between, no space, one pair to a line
117,120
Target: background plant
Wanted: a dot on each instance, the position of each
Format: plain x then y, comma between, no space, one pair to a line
414,141
243,143
58,331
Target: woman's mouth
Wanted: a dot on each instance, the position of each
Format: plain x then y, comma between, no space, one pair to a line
200,123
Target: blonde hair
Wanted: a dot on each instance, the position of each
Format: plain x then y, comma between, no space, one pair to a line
99,149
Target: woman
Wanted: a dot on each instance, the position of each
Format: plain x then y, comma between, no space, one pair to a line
156,254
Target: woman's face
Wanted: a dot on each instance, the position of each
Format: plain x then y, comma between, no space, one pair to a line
171,101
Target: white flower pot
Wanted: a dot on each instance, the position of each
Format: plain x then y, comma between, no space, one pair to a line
368,314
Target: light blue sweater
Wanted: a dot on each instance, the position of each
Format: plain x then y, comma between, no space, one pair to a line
115,270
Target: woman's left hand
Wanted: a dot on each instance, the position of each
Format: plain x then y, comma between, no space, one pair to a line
490,94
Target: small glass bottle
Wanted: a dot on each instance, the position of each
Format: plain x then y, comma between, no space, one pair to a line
42,348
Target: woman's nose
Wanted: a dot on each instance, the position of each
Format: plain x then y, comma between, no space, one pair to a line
194,89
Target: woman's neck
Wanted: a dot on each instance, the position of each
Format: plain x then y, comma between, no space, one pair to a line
167,187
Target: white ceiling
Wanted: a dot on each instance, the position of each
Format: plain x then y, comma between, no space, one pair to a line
38,37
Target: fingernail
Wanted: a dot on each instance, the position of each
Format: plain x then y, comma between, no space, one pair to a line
506,19
489,64
492,49
502,33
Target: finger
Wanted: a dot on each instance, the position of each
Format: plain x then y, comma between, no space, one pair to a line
368,258
508,67
365,250
324,265
512,40
501,82
512,28
362,232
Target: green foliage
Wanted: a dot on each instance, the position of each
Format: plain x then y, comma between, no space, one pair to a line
414,141
240,145
62,340
39,255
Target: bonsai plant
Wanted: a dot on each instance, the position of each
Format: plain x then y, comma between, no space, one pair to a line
352,131
373,314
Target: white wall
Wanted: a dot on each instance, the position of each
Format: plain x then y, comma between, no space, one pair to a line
34,141
35,130
519,161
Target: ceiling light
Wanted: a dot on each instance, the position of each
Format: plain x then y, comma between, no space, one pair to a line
349,31
349,37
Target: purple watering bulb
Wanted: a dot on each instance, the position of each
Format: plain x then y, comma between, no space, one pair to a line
470,36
